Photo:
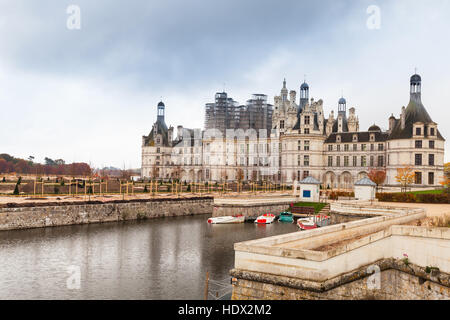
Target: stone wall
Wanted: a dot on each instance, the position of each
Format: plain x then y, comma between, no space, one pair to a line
251,207
69,214
396,281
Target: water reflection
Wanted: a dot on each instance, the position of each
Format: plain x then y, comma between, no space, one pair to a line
154,259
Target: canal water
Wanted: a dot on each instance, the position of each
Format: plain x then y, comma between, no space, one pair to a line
163,258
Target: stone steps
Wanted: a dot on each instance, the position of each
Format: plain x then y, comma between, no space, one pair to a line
326,210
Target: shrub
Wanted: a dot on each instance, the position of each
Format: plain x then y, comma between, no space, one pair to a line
411,197
16,189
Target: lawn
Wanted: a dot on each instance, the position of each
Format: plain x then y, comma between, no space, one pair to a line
440,191
318,206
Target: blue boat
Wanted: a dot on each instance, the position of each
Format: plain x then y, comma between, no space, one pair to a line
286,217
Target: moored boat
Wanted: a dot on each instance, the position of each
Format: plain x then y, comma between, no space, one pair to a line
306,223
286,217
227,219
266,218
322,221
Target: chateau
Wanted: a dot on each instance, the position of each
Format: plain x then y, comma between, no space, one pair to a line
300,143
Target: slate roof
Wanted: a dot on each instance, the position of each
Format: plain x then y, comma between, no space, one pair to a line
347,137
162,130
309,180
415,112
365,182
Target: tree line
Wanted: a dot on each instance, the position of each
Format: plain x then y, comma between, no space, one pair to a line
10,164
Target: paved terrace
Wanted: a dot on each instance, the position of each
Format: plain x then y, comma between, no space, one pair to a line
334,256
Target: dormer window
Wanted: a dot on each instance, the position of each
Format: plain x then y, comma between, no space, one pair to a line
372,137
355,137
432,132
282,124
338,139
306,119
418,131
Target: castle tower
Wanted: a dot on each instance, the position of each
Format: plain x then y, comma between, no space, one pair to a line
161,111
304,97
342,107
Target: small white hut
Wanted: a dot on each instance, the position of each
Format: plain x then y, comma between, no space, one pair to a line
365,189
309,190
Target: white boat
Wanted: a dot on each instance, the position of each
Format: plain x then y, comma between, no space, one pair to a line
227,219
313,222
266,218
306,223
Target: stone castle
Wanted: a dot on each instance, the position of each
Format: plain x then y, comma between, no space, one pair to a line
301,143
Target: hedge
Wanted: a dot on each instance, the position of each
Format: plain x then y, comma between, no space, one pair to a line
334,195
410,197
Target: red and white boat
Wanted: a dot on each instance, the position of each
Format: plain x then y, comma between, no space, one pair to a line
322,221
306,223
227,219
313,222
266,218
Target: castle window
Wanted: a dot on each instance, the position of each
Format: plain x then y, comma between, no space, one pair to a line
372,137
363,147
306,161
346,147
431,131
430,177
346,161
363,161
418,144
372,147
418,159
380,161
330,161
305,174
338,161
338,138
355,147
431,144
158,140
306,145
330,147
299,145
355,161
157,150
299,161
380,147
338,147
306,119
282,124
418,177
355,138
431,159
418,131
306,130
371,161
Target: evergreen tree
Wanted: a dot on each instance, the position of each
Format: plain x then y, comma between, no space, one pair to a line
16,190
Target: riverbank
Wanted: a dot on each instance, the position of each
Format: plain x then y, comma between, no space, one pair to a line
32,214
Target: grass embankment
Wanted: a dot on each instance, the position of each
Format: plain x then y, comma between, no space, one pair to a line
427,192
318,206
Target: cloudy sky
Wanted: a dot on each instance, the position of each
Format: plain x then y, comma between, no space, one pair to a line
89,94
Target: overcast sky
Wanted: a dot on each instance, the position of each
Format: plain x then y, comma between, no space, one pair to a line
89,94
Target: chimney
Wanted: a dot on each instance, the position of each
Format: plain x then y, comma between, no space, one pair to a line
292,95
403,118
391,123
179,132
